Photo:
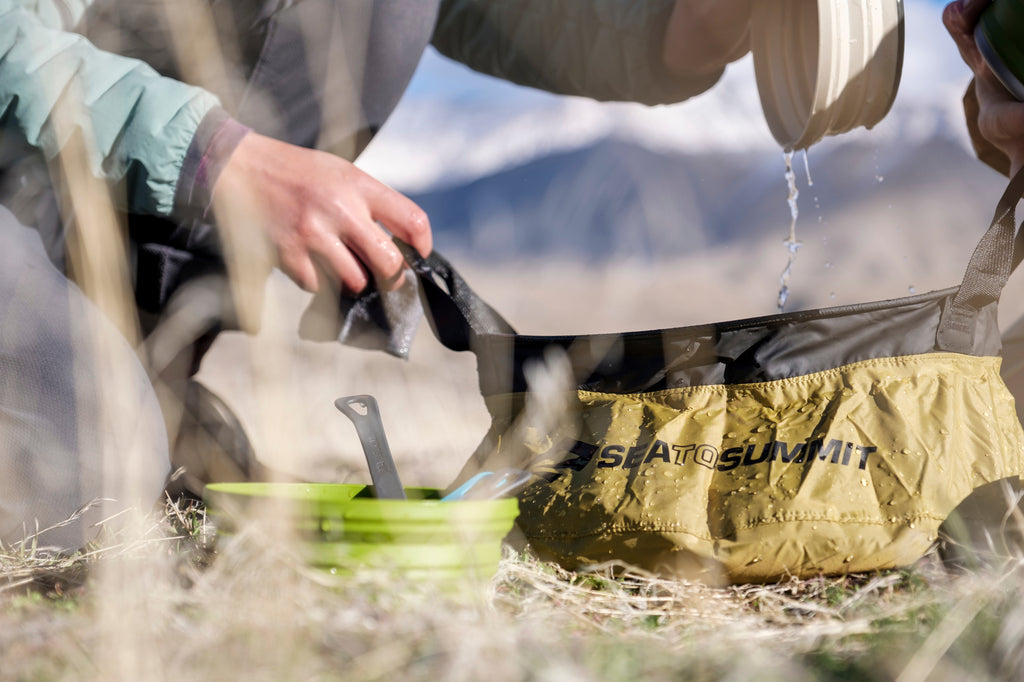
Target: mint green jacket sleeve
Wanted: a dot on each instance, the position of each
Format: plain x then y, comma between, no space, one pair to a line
140,124
603,49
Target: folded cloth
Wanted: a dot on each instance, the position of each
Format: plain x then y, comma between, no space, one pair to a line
373,320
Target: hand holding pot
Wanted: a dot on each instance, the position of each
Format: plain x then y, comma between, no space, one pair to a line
992,112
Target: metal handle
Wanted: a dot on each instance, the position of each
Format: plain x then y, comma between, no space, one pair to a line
363,411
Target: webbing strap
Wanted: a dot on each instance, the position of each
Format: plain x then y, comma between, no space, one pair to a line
455,312
994,259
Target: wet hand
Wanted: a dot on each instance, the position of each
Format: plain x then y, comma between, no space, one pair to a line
703,36
318,214
1000,117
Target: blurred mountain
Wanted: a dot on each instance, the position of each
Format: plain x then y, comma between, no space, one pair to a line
618,199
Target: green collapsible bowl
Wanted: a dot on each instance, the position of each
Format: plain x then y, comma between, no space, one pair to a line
344,528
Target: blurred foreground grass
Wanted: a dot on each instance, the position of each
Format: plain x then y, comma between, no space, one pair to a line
173,604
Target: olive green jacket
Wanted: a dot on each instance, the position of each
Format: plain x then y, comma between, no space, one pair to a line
603,49
142,127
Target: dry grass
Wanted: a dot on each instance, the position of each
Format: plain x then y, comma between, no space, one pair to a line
172,604
161,600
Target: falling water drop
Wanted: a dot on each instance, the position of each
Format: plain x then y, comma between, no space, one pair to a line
791,243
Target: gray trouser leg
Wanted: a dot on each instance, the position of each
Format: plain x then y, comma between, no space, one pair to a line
79,422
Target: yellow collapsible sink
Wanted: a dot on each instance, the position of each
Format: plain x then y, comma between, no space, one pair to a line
346,528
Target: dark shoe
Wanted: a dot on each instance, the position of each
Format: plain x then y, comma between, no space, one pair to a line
211,446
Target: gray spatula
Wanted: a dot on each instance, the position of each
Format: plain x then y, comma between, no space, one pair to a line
362,410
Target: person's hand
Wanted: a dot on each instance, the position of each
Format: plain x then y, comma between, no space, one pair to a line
319,214
1000,118
703,36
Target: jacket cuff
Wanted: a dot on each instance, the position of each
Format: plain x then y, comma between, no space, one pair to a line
216,138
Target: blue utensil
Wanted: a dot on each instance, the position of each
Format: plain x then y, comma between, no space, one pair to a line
490,485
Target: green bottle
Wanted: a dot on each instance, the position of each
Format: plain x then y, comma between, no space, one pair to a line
1000,39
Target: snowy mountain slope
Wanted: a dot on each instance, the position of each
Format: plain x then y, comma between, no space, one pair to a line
618,199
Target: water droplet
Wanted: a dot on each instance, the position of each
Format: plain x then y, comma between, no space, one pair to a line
911,525
864,482
829,265
905,451
880,178
848,559
647,472
832,294
912,289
